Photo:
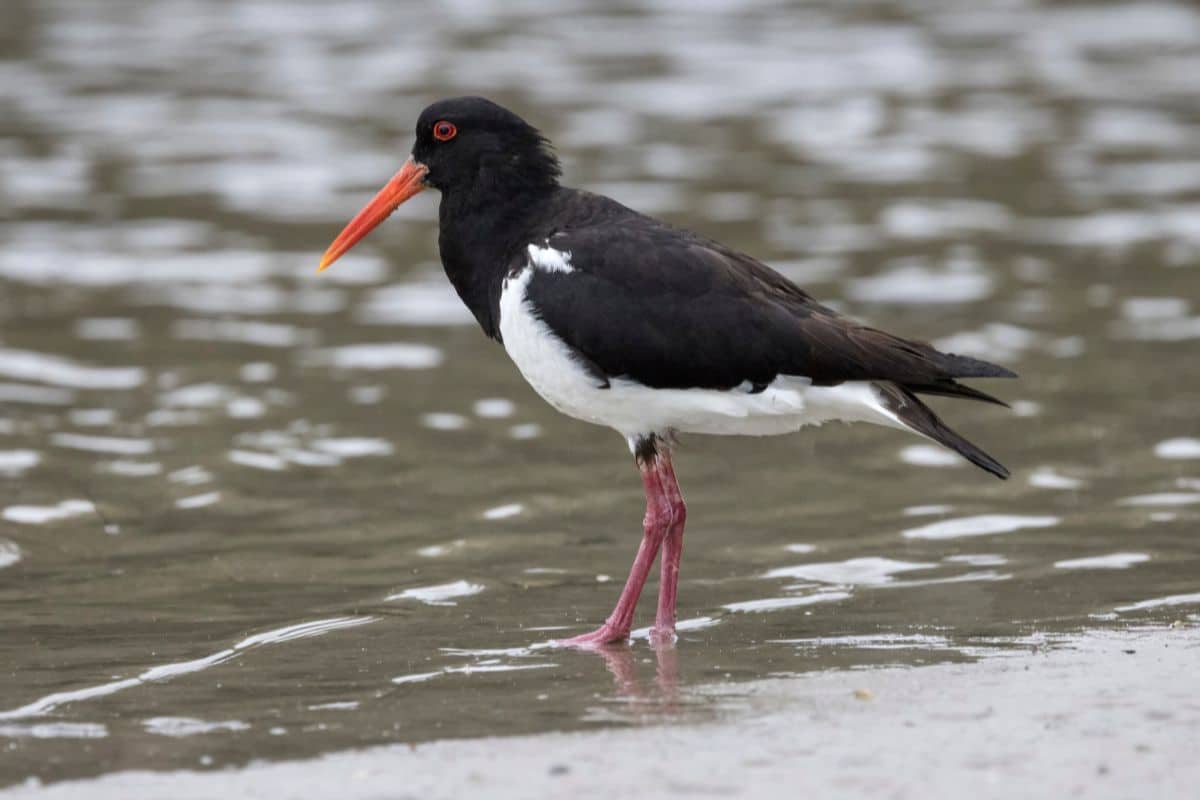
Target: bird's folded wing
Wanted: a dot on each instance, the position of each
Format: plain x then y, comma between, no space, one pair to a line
672,310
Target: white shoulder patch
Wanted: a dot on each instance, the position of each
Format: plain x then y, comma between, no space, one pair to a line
547,259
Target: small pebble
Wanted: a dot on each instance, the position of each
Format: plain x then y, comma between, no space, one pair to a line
864,694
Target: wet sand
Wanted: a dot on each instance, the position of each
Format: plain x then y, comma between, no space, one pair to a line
1113,714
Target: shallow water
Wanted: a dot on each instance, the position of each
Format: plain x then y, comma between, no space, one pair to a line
251,512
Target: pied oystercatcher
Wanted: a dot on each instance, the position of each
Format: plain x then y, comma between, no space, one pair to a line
622,320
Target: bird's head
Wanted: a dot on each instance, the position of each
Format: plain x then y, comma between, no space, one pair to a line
464,146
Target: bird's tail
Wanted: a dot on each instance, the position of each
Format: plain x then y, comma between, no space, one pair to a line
918,417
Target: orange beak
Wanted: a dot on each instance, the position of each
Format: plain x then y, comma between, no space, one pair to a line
407,182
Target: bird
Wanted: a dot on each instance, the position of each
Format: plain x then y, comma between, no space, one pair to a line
619,319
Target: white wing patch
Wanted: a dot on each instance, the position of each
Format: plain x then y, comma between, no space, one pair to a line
547,259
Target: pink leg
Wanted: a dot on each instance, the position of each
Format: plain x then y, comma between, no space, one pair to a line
655,525
672,552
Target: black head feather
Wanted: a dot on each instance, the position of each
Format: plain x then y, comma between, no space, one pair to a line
492,149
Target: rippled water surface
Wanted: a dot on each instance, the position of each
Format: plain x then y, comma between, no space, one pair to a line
251,512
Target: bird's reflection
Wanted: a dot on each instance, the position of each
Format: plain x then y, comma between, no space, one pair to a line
622,662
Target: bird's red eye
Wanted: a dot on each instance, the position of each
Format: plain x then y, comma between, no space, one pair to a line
444,131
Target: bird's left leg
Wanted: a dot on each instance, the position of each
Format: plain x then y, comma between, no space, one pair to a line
672,550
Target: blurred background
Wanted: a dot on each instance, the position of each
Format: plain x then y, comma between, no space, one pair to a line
249,511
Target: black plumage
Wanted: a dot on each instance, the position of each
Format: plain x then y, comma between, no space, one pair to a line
645,300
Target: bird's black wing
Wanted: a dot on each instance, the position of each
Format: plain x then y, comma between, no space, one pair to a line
670,309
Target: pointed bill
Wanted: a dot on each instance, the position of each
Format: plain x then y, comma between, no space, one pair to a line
406,183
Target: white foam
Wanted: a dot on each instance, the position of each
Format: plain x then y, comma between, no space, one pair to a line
995,341
132,469
440,595
1160,330
394,355
263,334
198,395
1178,448
943,218
308,458
190,475
366,395
198,500
927,510
258,372
341,705
27,365
1161,602
438,550
9,553
50,702
1141,309
470,668
504,511
1047,478
525,430
1132,129
444,421
35,395
55,730
189,726
1026,408
302,630
977,559
777,603
40,515
1110,561
929,455
254,298
417,677
15,462
245,408
969,577
869,571
878,641
264,461
494,408
117,445
353,446
1118,229
981,525
1162,499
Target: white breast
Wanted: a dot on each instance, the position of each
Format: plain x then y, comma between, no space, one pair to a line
547,363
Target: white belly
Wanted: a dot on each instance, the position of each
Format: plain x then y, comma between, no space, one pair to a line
633,409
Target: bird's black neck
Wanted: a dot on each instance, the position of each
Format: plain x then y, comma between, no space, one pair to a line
481,232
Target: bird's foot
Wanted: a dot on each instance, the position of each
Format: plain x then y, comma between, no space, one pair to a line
606,634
